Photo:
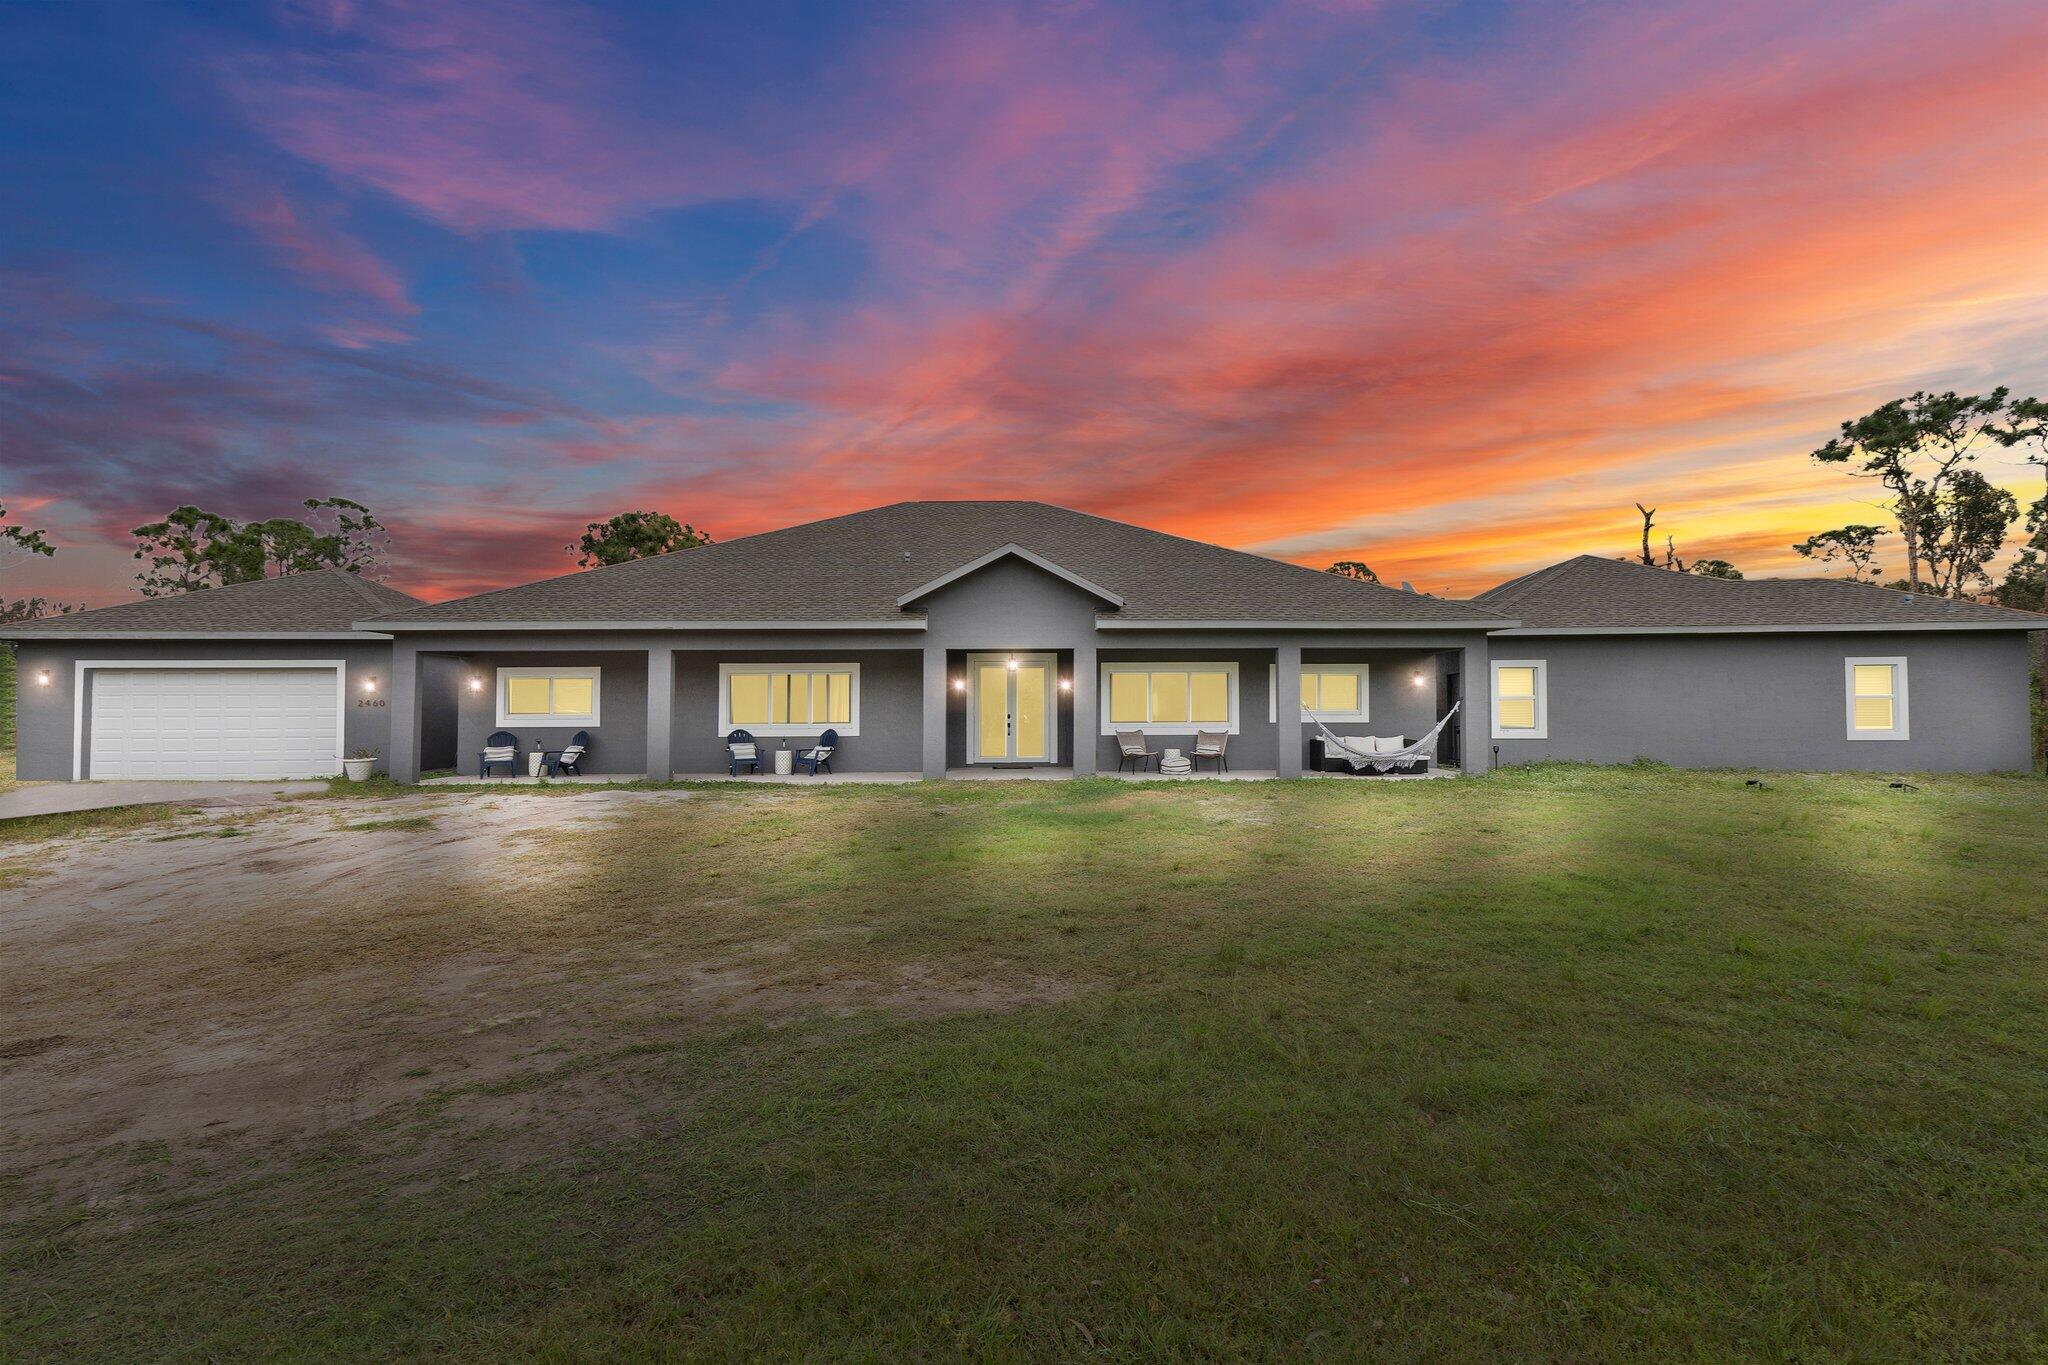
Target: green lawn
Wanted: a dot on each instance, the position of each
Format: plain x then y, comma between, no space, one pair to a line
1561,1063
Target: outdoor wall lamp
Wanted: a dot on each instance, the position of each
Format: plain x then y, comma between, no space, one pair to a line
1418,680
959,684
369,684
476,684
1013,665
43,678
1066,684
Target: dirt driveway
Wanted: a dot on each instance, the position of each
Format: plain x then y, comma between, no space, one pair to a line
221,982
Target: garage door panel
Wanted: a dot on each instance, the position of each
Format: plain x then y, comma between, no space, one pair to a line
261,723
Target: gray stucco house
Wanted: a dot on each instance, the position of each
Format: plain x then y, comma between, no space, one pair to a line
937,637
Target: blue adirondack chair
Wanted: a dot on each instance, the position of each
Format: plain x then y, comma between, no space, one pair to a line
570,760
741,750
819,755
501,747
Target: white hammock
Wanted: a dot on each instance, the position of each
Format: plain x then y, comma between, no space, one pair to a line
1338,747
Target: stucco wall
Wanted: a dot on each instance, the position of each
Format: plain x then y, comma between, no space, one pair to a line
1771,701
45,713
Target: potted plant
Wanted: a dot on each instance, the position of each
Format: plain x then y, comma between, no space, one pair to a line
358,764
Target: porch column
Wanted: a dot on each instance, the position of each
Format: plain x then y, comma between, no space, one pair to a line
935,684
403,762
1086,689
661,711
1287,709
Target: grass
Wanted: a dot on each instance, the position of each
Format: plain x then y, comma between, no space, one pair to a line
1560,1063
7,780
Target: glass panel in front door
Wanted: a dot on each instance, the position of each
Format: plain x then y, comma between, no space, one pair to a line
992,700
1031,696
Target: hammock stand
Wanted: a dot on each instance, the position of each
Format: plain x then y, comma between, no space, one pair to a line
1338,747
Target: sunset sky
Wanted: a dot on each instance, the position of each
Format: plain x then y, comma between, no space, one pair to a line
1445,287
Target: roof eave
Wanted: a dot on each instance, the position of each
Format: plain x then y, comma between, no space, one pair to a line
358,632
1112,623
405,627
1844,628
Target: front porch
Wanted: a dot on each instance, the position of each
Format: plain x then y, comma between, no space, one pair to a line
899,712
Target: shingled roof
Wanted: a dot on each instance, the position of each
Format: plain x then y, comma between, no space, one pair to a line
858,569
325,602
1595,594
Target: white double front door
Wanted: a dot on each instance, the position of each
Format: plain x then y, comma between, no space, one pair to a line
1010,708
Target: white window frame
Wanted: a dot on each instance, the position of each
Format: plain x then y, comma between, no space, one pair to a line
1901,718
1542,728
588,722
1362,714
1189,727
785,730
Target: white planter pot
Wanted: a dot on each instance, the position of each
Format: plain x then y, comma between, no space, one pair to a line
358,769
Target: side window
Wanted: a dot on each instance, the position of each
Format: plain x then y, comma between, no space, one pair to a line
1876,698
1521,702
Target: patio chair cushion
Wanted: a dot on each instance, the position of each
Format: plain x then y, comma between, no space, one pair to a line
503,753
742,750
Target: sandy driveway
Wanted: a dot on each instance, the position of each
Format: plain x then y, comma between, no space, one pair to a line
259,973
229,980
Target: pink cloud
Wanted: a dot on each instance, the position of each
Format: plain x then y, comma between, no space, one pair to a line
322,254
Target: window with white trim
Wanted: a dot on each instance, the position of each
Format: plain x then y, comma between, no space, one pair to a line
1521,700
789,699
548,696
1876,697
1169,699
1332,691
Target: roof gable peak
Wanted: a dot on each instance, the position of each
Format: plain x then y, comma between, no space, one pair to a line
1011,550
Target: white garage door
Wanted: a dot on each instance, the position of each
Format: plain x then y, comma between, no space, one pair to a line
214,722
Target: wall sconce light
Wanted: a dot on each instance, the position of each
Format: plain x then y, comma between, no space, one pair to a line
476,684
1418,680
1066,684
1013,665
369,684
959,684
43,678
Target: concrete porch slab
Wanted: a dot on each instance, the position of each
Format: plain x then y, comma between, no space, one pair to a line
804,779
522,780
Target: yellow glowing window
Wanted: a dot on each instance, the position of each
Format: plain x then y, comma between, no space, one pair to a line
1334,690
749,698
794,697
1169,698
526,696
1166,697
539,696
1874,697
1516,687
572,696
1129,699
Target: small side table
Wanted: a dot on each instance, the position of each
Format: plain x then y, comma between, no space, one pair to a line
535,762
785,762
